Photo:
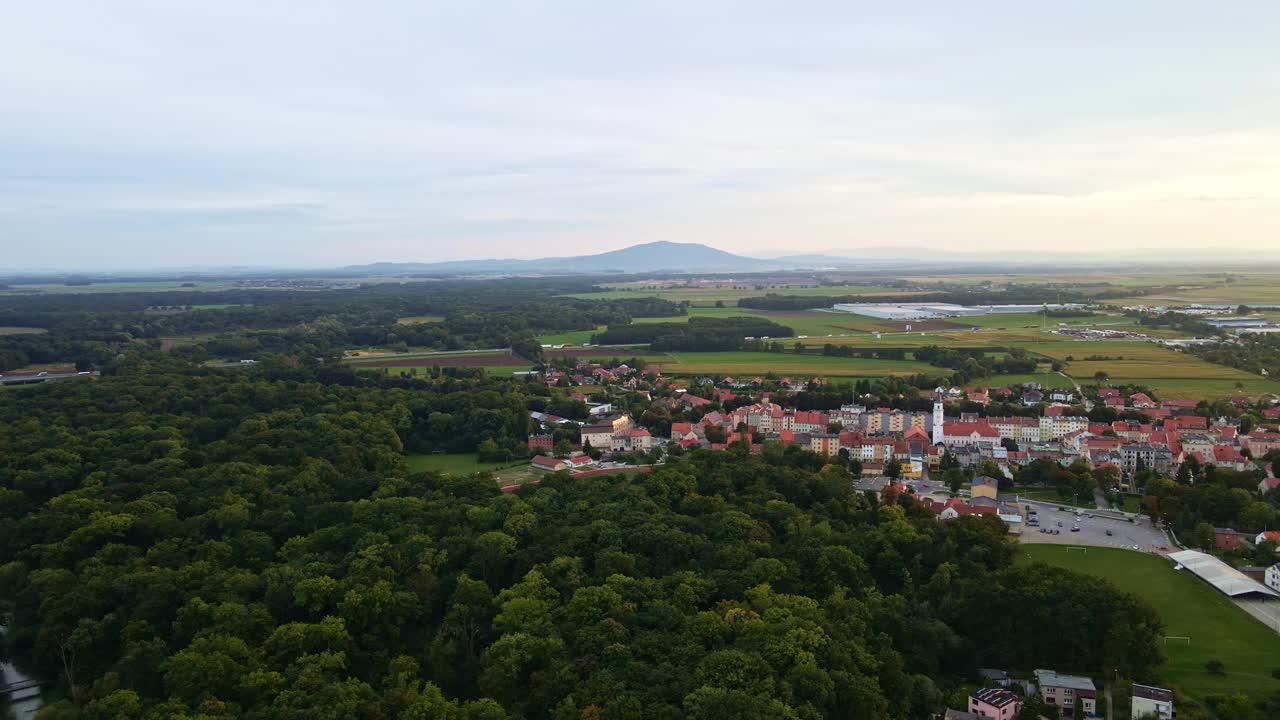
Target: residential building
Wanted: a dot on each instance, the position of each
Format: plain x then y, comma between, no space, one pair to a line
1074,694
960,715
978,434
1150,702
548,464
995,703
1272,577
983,486
544,441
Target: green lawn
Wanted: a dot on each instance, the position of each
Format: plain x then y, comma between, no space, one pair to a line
1217,627
454,463
1051,495
1131,503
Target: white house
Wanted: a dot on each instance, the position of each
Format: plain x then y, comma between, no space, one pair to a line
1272,577
1151,702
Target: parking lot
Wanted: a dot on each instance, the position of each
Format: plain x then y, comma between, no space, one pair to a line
1093,530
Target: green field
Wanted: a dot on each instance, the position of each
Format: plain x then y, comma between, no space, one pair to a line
455,463
577,337
1217,627
9,330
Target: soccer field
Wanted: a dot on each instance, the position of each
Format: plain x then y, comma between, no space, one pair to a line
1217,628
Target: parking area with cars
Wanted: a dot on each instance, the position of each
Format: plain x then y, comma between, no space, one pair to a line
1071,527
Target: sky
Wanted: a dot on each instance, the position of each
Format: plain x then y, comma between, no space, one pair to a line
143,134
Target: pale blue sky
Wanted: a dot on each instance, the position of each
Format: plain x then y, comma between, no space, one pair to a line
152,134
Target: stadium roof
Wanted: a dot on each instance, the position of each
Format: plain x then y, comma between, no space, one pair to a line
1222,576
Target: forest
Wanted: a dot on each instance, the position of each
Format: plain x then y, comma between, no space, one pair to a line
185,543
88,330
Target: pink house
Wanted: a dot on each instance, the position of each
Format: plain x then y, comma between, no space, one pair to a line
995,703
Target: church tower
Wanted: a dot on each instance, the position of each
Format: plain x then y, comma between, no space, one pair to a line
937,415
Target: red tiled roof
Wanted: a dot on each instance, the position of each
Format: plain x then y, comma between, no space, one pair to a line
968,429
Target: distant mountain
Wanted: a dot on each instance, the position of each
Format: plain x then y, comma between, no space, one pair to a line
648,257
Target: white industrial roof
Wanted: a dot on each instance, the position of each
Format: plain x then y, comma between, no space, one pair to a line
1219,574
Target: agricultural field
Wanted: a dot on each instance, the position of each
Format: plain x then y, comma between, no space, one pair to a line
759,363
708,296
455,463
498,363
1240,288
1218,629
8,330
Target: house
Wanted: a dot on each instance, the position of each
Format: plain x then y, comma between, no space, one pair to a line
694,400
955,507
1142,400
1151,702
995,675
1113,402
1031,398
983,486
1069,692
1272,577
960,715
995,703
543,441
548,464
1228,539
1062,395
1267,536
1266,485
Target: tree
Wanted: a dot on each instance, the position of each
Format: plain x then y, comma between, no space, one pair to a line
893,469
954,478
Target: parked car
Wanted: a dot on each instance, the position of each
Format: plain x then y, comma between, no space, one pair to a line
1075,529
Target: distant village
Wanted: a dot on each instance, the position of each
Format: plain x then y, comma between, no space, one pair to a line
723,411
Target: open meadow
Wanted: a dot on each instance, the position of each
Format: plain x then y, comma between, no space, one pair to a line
1217,628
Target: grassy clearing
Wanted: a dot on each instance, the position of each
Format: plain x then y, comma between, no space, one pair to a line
10,330
455,463
1217,627
416,319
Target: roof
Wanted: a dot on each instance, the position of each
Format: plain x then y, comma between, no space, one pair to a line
957,428
1152,693
960,715
995,697
1050,678
1222,576
544,461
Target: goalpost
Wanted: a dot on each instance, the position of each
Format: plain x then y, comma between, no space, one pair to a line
1084,550
1183,638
